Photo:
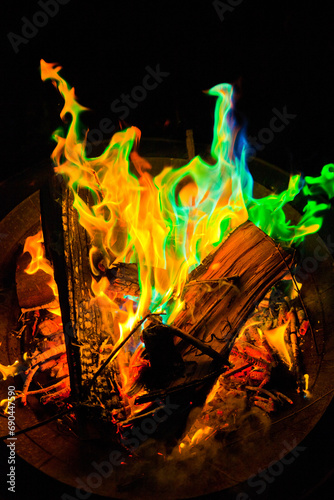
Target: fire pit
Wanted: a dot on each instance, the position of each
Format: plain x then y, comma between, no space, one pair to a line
165,387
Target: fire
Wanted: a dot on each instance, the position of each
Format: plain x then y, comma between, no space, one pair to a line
5,404
169,223
276,338
34,245
306,377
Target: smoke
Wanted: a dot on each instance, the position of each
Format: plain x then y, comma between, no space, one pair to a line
220,459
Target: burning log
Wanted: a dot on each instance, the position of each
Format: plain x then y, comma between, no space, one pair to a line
216,307
219,296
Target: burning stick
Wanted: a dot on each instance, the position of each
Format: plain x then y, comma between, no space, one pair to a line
27,383
118,347
50,353
309,323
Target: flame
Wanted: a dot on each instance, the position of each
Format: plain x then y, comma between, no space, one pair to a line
323,183
307,393
169,223
10,370
200,434
34,246
213,392
146,220
306,378
275,338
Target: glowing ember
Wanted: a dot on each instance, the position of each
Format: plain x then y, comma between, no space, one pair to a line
306,376
200,434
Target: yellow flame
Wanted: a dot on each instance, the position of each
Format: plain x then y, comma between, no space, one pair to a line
213,392
307,393
275,338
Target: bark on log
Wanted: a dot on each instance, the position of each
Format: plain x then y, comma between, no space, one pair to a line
216,307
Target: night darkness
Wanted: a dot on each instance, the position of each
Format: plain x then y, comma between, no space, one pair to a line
278,54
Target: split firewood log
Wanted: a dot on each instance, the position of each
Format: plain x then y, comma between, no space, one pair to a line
225,288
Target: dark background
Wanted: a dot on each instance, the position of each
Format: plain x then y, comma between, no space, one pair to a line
277,53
